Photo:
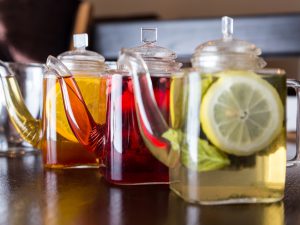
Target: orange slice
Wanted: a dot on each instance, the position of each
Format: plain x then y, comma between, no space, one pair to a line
93,90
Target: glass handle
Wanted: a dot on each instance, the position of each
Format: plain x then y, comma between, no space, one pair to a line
147,109
87,131
152,124
295,84
27,126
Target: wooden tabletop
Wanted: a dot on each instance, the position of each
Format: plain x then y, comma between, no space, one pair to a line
32,195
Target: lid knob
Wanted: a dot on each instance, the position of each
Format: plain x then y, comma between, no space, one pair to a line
159,60
148,35
80,40
227,27
227,52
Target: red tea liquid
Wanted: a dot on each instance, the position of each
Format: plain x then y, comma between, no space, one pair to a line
125,157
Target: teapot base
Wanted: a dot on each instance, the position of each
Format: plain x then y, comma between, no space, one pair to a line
272,198
12,152
72,166
135,177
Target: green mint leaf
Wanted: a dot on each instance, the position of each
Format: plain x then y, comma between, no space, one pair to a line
174,137
208,158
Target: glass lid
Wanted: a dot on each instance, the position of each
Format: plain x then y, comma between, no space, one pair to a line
157,58
80,58
228,52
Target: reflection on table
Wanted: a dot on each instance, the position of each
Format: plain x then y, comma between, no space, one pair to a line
31,195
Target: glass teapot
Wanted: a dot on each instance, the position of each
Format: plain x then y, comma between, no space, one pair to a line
225,142
52,133
161,64
30,78
124,155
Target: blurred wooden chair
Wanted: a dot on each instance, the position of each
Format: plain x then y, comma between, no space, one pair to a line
82,20
40,28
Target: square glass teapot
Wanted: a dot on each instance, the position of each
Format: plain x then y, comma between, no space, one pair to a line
52,133
226,140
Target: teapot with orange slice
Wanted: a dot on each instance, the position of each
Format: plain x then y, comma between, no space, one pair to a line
52,134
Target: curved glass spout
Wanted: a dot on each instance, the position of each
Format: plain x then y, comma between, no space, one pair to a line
27,126
152,125
87,131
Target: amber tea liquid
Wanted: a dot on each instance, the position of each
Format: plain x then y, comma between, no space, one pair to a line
59,145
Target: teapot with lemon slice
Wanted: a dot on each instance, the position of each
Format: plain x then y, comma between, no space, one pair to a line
226,142
52,134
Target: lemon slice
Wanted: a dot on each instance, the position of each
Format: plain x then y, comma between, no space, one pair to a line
93,90
179,90
241,113
176,101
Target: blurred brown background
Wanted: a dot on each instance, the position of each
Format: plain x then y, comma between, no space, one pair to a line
178,9
32,29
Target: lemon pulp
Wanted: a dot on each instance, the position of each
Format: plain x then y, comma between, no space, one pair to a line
241,113
93,90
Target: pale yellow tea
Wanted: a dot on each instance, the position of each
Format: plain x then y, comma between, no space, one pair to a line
232,127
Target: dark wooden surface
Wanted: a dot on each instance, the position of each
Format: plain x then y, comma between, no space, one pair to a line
31,195
275,34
